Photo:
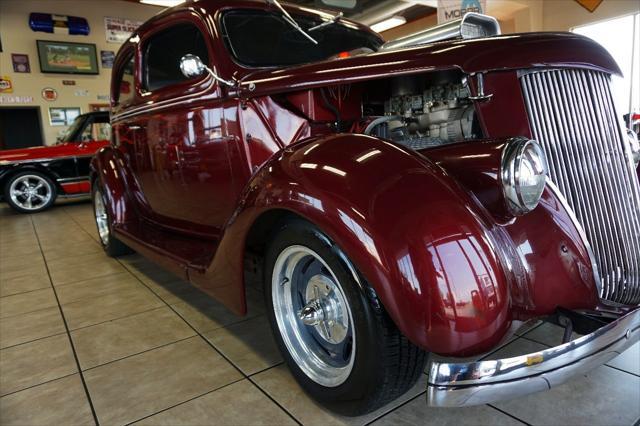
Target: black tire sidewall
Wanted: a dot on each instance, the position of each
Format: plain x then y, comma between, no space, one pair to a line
47,179
362,381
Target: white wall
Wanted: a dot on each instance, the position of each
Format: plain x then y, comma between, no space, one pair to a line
17,37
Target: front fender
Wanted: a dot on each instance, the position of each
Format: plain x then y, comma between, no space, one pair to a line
106,168
410,230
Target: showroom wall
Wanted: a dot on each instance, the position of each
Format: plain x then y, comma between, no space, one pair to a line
18,38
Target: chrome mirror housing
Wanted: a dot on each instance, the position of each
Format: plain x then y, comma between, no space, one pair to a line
192,66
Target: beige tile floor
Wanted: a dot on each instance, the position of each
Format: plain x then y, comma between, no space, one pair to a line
85,339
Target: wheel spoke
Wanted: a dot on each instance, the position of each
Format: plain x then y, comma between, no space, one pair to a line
39,185
28,203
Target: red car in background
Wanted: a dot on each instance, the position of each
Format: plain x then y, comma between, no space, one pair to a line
32,178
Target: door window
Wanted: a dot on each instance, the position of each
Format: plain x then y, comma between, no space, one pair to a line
126,82
164,51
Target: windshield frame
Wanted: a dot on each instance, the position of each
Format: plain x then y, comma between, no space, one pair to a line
295,13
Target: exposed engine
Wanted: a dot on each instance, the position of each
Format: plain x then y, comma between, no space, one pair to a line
421,115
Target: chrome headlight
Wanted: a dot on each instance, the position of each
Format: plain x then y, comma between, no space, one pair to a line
523,174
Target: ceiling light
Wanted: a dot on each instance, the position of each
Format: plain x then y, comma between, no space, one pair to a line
387,24
163,3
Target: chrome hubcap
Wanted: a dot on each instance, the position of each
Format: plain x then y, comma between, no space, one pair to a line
313,316
30,192
101,217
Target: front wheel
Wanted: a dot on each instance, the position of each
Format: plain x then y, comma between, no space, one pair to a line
338,341
111,245
30,192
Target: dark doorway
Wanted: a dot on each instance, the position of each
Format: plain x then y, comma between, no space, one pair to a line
20,127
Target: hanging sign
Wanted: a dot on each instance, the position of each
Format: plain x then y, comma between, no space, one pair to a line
118,30
450,10
590,5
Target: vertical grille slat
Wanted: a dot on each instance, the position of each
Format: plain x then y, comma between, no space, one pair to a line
572,115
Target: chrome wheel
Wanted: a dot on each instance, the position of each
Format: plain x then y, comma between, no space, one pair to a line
30,192
101,217
313,316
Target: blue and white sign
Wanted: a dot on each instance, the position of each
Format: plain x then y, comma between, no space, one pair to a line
450,10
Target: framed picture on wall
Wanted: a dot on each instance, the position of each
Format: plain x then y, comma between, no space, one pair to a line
63,116
64,57
20,63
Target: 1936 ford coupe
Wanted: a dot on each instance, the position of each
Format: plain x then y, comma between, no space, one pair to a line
428,194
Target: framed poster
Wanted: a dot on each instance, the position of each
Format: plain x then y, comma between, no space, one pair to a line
63,116
20,63
118,30
65,57
107,57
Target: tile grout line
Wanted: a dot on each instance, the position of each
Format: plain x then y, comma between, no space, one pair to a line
164,345
66,326
508,414
126,267
186,401
33,340
211,345
37,384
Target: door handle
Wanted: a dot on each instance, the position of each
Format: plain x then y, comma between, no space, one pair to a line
135,127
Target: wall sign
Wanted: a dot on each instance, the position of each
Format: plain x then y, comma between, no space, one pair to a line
81,92
16,99
104,98
68,82
63,116
20,63
49,94
118,30
59,24
450,10
6,86
107,57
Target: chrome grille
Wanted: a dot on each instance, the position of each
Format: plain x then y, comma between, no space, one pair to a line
572,115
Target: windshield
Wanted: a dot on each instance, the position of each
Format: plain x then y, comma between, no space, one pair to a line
73,130
259,38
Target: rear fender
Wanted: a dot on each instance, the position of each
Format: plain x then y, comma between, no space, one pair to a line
406,225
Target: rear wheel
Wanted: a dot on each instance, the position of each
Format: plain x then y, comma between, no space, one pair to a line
111,245
338,341
30,192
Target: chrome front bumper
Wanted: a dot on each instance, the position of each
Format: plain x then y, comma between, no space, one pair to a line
482,382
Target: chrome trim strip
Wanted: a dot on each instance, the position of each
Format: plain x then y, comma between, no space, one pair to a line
483,382
583,236
73,179
186,99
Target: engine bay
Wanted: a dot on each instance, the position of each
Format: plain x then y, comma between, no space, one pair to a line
417,111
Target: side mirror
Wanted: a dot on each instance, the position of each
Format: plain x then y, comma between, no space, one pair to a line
192,66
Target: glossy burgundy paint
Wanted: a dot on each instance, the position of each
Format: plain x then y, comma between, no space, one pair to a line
195,167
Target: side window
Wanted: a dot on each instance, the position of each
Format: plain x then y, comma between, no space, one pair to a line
126,82
163,53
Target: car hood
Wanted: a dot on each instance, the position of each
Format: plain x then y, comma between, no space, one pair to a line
505,52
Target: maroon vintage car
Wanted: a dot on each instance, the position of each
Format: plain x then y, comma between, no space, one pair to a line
427,194
31,179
